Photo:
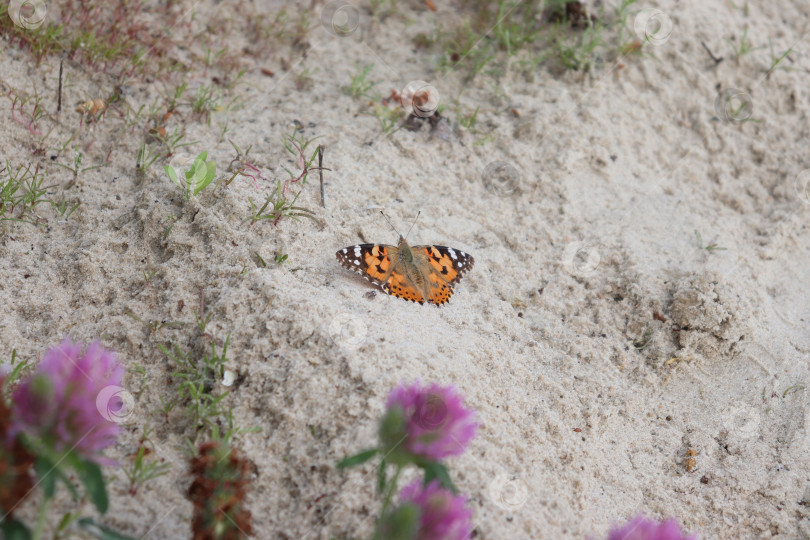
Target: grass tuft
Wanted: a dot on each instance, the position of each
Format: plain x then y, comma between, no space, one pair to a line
277,206
21,192
501,35
360,85
142,469
198,378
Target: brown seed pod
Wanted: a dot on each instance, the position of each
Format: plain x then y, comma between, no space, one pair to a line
91,107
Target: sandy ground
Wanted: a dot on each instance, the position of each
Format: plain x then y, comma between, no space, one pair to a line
600,345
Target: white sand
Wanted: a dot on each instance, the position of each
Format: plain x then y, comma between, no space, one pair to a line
629,164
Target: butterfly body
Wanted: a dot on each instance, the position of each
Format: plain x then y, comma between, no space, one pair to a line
419,273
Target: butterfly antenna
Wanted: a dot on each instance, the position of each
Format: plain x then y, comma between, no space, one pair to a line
414,223
391,224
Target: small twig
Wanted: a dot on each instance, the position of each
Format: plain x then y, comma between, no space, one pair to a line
59,94
320,173
713,57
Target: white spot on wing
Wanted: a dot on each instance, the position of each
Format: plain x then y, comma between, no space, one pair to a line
345,251
357,263
452,253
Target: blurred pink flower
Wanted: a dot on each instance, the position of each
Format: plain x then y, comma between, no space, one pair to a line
643,528
442,515
436,423
57,405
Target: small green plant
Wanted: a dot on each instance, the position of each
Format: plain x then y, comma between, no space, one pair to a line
297,145
281,207
202,322
146,157
196,178
153,325
621,14
360,86
711,247
64,208
505,35
139,371
743,48
28,119
148,274
77,168
207,100
468,121
134,118
212,57
577,53
281,257
736,107
242,166
155,113
172,142
514,34
486,139
17,370
20,193
388,117
143,470
172,221
197,379
776,60
166,407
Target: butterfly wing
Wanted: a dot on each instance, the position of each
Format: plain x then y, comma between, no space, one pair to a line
371,261
451,264
447,266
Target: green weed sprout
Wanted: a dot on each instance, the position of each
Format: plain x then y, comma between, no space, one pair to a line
197,177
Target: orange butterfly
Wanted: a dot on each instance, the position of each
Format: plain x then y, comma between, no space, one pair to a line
418,273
